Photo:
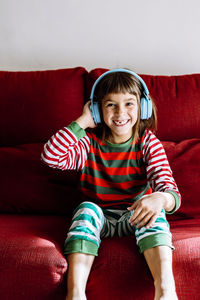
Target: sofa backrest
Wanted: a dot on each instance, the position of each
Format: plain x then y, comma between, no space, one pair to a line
34,105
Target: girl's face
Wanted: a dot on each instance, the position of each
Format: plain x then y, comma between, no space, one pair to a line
120,114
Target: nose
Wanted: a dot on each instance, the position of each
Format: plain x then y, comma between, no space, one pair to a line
120,110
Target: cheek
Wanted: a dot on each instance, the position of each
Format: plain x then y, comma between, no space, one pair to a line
106,112
105,115
134,112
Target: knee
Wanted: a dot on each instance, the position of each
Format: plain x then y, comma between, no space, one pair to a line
90,208
89,211
87,204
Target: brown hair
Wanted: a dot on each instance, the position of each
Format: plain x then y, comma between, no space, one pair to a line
122,82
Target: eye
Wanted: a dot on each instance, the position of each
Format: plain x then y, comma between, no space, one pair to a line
130,104
110,105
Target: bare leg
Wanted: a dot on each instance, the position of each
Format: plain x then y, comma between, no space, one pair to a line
159,260
79,269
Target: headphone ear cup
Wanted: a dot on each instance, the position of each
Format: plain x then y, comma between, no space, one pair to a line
146,108
95,112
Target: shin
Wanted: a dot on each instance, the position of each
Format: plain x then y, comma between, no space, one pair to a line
79,268
159,260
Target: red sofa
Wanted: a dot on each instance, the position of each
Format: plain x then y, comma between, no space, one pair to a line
36,202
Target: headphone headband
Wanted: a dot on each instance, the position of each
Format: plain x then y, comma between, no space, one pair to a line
146,91
145,101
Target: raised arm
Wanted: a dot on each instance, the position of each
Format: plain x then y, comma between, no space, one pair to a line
69,147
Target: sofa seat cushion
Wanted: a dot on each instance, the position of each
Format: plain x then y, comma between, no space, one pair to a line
31,247
32,263
120,272
29,186
186,259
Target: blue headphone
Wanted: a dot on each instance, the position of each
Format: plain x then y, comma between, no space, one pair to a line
145,101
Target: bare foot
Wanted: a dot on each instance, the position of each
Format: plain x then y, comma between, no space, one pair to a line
169,294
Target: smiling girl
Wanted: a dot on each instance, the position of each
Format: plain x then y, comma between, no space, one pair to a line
126,182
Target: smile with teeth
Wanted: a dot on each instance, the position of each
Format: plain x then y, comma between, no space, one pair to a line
120,122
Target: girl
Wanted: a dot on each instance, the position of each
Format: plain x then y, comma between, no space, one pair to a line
126,181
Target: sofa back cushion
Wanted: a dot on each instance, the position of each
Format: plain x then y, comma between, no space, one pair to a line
28,186
177,99
35,104
184,159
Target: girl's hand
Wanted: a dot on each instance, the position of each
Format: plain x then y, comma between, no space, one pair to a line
147,209
86,120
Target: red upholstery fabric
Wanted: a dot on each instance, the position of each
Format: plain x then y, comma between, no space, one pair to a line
186,258
29,186
32,264
178,104
184,158
36,104
31,247
119,263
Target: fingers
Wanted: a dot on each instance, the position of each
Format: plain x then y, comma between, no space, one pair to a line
152,221
143,217
144,220
87,107
133,206
139,213
146,210
137,216
88,116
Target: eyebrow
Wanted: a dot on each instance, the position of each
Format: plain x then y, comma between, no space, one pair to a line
134,99
125,100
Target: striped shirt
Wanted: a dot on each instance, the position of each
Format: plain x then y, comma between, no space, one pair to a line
112,175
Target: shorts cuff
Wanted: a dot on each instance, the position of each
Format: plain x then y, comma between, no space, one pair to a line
81,246
158,239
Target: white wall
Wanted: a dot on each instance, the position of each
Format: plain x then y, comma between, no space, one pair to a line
148,36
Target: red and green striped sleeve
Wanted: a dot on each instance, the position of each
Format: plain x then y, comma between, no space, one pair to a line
67,149
158,171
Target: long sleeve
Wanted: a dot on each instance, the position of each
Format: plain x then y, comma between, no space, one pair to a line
67,149
158,171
